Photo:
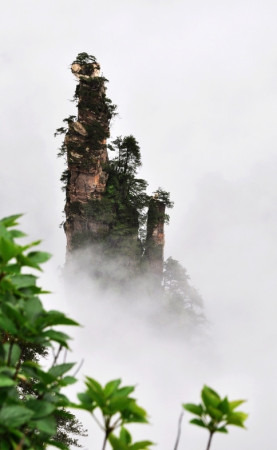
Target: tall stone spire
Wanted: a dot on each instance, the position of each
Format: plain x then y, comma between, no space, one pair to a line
105,200
86,150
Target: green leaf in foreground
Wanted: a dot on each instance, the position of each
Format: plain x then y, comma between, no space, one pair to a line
194,409
14,416
215,414
6,381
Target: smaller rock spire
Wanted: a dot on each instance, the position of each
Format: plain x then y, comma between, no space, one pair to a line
154,248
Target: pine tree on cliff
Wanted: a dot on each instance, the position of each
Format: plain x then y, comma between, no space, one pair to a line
106,202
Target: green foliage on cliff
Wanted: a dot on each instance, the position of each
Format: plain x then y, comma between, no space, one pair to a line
128,158
121,208
97,110
124,188
84,58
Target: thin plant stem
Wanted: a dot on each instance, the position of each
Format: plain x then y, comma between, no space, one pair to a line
18,365
209,441
107,432
10,354
179,430
97,421
56,355
117,423
19,446
78,368
105,441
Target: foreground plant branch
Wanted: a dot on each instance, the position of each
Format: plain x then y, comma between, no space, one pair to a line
34,412
117,408
215,414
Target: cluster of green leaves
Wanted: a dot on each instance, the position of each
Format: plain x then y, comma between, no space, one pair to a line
30,396
33,407
215,414
117,409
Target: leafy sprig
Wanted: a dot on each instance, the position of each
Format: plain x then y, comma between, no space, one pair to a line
215,414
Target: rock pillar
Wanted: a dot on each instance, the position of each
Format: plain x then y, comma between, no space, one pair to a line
86,150
154,247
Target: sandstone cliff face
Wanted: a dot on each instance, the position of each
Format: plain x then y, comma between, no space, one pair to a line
86,151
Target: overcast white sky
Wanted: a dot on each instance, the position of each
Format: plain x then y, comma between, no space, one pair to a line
195,82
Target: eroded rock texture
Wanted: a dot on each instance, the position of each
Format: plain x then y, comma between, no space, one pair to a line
86,151
154,247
